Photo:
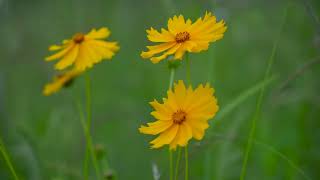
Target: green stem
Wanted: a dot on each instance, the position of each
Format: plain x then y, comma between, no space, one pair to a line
188,69
186,177
188,77
171,163
177,164
7,160
172,73
87,127
259,103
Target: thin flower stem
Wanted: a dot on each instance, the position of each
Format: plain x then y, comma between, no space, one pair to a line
88,139
88,110
8,160
177,164
188,69
87,127
259,101
186,177
170,163
188,77
172,73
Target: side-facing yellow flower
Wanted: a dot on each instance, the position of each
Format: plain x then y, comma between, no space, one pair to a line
84,50
183,115
183,36
60,81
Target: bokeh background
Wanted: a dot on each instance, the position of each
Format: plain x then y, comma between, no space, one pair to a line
44,137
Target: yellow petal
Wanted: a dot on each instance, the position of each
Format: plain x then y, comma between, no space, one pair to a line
166,137
160,116
180,52
164,36
61,53
179,93
155,127
157,49
112,46
68,59
166,54
103,50
198,127
161,108
55,47
98,34
83,60
183,136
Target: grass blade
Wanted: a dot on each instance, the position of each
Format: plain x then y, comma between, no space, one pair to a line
259,102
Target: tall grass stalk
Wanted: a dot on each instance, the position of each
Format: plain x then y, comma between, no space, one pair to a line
259,101
243,96
266,147
7,159
225,111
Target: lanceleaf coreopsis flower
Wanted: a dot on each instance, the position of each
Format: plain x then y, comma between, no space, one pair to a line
84,50
183,115
60,81
183,36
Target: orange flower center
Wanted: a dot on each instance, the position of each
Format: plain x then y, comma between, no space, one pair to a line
182,37
179,116
78,38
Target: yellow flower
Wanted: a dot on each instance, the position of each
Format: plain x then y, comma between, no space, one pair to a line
84,50
183,36
59,81
183,115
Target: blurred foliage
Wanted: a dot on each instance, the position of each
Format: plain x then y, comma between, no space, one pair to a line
44,135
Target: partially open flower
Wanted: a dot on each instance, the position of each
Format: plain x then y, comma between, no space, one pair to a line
60,81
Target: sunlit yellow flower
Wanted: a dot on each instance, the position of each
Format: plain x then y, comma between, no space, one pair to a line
59,81
84,50
183,36
183,115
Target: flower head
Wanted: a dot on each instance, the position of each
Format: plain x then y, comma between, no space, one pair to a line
183,36
59,81
83,50
181,116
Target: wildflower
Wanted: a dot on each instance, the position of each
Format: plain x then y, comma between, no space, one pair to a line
59,81
183,36
183,115
83,50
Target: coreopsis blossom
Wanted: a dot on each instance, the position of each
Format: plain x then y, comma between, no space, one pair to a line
181,116
83,50
60,81
183,36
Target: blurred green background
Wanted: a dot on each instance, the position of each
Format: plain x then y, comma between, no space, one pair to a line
43,134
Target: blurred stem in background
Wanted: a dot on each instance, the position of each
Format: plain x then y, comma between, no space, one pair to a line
7,159
87,127
260,98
